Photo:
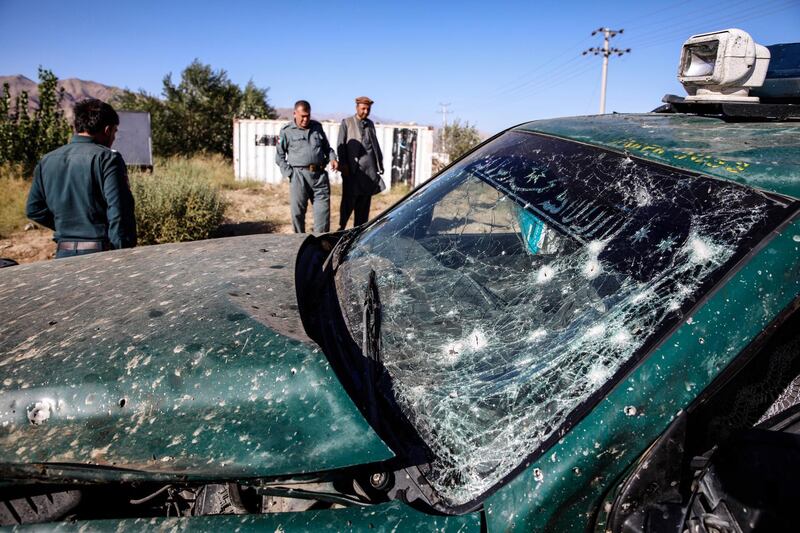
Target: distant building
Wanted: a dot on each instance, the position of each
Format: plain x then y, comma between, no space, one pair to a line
406,148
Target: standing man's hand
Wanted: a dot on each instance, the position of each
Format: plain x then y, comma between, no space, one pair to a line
335,165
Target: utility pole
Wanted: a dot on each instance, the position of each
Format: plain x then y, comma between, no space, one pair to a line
444,126
606,51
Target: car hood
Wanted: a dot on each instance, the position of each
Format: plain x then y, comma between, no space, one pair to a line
757,154
174,359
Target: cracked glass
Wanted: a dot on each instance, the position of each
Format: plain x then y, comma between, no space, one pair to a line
519,284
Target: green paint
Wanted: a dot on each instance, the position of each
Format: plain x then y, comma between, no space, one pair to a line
759,154
587,462
204,371
393,516
186,378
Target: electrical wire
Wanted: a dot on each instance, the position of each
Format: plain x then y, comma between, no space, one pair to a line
697,16
667,24
151,496
522,85
556,81
650,14
524,79
564,68
693,26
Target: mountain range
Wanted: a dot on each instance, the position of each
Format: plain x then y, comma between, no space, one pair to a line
76,89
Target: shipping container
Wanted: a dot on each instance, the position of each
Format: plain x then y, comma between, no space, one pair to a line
407,151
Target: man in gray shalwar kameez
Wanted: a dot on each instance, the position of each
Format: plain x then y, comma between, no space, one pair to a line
361,164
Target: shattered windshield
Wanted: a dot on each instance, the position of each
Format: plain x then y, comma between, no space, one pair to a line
517,284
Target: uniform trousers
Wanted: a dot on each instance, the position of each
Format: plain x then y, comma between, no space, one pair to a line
360,203
307,186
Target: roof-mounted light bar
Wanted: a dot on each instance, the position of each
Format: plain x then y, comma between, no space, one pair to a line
722,66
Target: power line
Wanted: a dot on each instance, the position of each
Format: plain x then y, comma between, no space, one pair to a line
657,12
606,52
697,27
685,16
565,68
706,21
552,81
521,82
668,24
658,26
444,112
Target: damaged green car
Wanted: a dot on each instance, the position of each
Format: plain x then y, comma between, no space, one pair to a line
583,324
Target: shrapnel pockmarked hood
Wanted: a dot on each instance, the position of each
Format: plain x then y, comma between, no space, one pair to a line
177,359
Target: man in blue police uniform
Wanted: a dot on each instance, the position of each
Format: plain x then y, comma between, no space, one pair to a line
302,154
361,164
81,189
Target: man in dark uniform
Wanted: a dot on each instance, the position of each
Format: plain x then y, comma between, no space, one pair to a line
361,163
302,154
81,189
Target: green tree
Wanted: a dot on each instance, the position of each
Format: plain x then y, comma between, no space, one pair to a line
255,104
200,110
196,114
24,139
459,138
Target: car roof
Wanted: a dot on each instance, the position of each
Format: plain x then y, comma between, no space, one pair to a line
764,155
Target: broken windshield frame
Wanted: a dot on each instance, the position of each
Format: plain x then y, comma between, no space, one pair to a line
522,283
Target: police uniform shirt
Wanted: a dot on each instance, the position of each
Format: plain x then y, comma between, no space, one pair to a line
81,191
300,147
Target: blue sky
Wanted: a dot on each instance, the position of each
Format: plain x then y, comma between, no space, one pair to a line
498,63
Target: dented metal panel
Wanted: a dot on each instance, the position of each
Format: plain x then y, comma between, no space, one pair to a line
186,358
542,310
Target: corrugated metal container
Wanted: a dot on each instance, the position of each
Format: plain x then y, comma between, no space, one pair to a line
407,151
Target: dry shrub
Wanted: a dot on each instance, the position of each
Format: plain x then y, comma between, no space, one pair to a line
175,208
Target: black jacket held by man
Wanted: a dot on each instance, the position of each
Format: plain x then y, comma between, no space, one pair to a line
81,191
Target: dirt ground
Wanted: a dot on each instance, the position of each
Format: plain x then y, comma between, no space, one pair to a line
262,209
28,246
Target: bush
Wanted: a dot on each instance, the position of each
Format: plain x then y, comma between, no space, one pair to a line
175,208
13,196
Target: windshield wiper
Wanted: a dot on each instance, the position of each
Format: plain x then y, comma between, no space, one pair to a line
371,340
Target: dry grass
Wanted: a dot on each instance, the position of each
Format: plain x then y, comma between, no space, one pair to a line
265,208
252,207
210,167
13,195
